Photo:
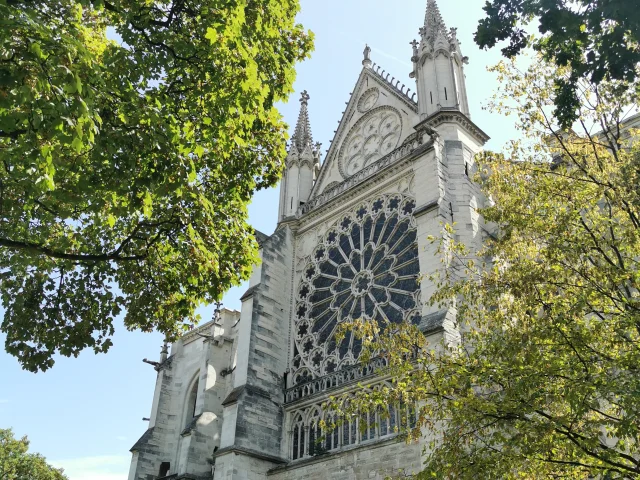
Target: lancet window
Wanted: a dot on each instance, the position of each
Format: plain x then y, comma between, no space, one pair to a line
298,437
349,431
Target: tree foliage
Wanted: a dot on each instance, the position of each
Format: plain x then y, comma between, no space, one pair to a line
126,167
597,39
17,464
544,378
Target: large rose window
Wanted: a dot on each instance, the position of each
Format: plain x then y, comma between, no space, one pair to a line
365,267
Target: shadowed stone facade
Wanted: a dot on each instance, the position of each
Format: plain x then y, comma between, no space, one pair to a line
240,398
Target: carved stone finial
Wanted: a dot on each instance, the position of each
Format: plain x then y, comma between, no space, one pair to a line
302,134
414,44
367,57
164,351
453,34
434,26
216,312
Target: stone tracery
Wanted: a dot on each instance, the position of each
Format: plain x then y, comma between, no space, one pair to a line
307,438
366,266
372,137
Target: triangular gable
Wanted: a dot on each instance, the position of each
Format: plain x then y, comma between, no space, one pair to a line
376,98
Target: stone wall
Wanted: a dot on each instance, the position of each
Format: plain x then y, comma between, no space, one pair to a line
391,458
187,444
253,413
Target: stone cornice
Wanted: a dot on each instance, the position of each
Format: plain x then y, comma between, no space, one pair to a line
453,115
427,208
196,333
411,148
249,452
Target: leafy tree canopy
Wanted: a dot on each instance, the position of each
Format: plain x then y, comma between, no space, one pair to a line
597,39
126,169
541,377
17,464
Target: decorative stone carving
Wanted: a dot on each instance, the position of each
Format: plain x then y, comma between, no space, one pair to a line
371,138
396,157
368,100
365,267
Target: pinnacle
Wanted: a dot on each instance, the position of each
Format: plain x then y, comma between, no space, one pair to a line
433,22
302,135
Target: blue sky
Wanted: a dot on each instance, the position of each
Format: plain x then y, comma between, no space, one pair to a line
85,413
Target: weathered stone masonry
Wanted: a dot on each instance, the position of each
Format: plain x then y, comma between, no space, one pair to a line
241,397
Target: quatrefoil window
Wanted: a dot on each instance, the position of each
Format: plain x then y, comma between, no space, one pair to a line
368,269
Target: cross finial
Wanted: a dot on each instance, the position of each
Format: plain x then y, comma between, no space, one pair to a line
414,44
302,134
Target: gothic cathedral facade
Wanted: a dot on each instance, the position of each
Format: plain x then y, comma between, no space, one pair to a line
241,397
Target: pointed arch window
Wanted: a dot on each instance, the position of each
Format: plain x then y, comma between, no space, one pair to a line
331,435
298,435
192,399
315,434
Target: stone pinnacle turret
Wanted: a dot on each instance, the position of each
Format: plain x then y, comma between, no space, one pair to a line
302,137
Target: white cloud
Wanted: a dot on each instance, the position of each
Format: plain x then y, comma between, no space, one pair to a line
108,467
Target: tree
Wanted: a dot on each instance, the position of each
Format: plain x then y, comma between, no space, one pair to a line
17,464
597,39
126,168
544,379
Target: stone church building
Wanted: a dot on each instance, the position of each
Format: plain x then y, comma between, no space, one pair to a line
240,398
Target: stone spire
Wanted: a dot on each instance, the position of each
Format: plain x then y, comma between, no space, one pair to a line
302,137
301,164
438,66
434,29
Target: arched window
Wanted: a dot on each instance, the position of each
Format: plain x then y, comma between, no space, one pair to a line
388,421
407,418
297,441
315,434
350,430
367,425
331,440
192,398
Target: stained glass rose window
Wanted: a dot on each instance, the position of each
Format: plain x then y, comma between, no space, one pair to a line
365,267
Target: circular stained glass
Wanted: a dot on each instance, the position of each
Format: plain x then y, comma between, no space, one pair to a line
365,267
